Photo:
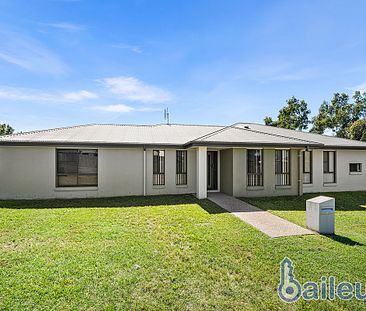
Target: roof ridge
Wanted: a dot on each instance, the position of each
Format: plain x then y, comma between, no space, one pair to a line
210,134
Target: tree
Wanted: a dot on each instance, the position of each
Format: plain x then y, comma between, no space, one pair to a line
340,114
294,116
357,130
6,129
321,121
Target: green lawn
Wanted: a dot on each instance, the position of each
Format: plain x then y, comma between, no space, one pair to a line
166,253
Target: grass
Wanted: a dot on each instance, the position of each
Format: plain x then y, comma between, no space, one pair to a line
166,253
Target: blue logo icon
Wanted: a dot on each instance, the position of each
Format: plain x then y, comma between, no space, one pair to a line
289,289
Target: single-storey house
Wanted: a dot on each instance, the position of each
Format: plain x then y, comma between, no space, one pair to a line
243,159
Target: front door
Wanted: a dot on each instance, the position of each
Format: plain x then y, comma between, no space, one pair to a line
212,170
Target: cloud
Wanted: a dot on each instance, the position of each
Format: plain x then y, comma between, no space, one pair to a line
80,95
361,87
133,48
120,108
130,88
26,94
24,52
71,27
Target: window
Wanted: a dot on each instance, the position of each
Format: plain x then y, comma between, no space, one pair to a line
307,167
355,167
76,168
329,166
255,167
158,167
181,167
282,167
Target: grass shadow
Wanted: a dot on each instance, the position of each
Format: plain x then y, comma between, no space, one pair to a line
345,201
101,202
343,239
211,207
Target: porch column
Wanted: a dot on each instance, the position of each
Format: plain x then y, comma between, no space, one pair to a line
201,169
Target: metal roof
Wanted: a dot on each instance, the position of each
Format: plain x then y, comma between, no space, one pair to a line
325,140
180,135
112,134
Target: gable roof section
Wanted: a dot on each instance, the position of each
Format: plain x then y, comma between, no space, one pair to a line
178,135
239,135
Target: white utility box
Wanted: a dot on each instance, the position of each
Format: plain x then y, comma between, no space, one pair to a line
320,214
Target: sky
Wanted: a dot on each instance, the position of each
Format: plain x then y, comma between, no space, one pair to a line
69,62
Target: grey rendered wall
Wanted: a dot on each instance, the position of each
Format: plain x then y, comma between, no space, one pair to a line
170,186
120,172
29,172
344,180
269,185
226,171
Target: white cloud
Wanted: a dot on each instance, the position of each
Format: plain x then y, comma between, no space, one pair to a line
26,94
23,94
130,88
80,95
71,27
132,48
120,108
361,87
24,52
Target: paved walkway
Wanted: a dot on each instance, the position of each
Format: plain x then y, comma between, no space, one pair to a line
266,222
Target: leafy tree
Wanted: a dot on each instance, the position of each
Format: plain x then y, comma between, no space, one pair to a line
357,130
6,129
322,121
294,116
269,121
340,114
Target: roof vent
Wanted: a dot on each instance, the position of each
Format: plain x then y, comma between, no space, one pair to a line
246,126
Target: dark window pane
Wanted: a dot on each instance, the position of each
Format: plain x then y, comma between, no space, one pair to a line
181,167
329,166
158,167
282,167
255,167
307,167
355,167
76,168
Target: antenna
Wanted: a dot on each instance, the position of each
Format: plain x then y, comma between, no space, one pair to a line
166,116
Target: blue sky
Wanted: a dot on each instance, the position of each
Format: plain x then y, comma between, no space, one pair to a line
67,62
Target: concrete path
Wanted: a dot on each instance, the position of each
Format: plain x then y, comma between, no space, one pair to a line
266,222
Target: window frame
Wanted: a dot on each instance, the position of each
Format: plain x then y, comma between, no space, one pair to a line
255,179
77,174
159,174
284,170
358,164
311,166
326,167
181,168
